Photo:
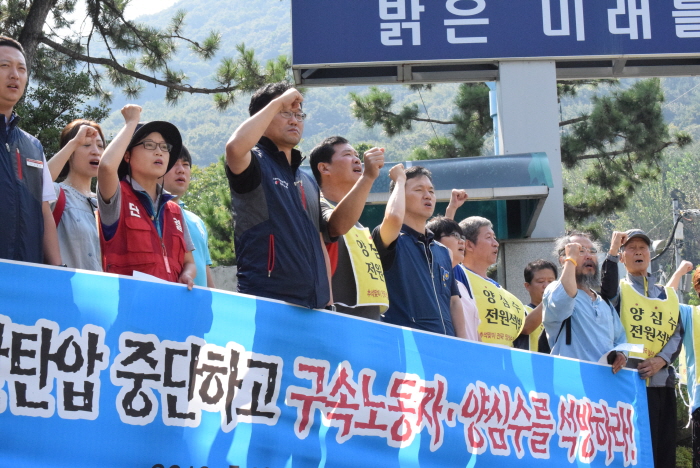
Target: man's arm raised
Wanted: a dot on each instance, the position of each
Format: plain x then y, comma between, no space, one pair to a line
675,281
247,135
395,208
457,199
349,209
568,274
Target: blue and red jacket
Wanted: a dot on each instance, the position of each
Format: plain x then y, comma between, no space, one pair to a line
21,188
278,249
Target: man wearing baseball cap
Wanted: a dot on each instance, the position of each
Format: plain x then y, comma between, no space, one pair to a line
141,229
650,316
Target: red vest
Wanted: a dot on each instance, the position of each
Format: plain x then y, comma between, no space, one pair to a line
136,245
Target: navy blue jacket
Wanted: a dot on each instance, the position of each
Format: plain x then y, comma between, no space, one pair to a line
21,187
420,283
278,249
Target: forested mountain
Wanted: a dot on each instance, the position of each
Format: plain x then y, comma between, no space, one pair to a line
265,26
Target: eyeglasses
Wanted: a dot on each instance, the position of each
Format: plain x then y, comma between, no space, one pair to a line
299,116
151,145
457,236
584,250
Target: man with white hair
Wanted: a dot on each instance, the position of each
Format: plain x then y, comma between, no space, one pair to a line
650,315
578,321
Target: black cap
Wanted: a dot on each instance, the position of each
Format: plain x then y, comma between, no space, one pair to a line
168,131
637,233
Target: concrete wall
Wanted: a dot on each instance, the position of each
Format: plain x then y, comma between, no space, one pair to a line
515,255
225,277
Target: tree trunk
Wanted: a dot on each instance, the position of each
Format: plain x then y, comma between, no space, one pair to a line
32,31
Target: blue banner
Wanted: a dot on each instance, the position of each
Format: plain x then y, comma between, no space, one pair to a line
384,31
101,370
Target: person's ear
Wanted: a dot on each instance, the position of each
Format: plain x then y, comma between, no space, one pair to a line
324,168
127,157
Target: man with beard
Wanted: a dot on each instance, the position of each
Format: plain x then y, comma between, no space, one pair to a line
644,305
581,324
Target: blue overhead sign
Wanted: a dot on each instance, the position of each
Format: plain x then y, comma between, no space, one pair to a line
332,32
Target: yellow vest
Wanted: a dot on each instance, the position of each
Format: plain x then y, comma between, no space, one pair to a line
367,269
536,333
502,314
648,321
696,343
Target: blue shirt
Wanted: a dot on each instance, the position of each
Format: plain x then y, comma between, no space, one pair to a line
687,317
595,325
200,238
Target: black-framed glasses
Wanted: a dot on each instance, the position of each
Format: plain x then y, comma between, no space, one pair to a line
299,116
457,236
151,145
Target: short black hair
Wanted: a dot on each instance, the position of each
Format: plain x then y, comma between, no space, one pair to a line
263,96
323,153
413,172
537,265
185,155
442,226
9,42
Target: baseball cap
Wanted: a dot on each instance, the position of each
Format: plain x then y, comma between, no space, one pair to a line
637,233
168,131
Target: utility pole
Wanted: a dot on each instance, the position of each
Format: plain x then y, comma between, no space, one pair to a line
678,244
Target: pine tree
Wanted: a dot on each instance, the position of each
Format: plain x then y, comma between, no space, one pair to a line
209,198
134,53
618,145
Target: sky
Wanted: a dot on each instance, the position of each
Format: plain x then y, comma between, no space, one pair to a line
146,7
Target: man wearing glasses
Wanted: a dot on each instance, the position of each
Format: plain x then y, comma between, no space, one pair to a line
579,323
278,224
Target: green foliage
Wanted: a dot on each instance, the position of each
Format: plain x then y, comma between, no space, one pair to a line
649,207
209,197
471,121
684,457
624,137
620,141
375,108
125,54
45,110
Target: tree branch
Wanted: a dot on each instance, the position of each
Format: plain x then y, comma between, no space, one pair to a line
418,119
573,121
120,68
618,153
31,32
